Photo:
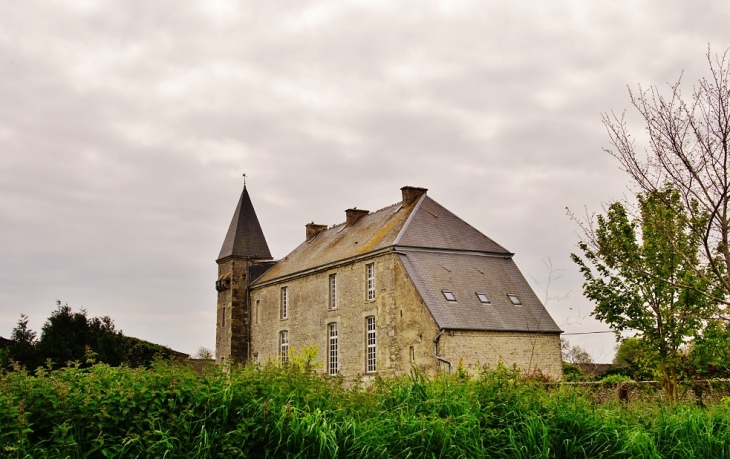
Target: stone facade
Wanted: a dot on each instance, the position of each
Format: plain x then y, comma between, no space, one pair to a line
403,332
232,315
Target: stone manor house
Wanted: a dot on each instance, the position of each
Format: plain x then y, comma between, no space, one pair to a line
411,285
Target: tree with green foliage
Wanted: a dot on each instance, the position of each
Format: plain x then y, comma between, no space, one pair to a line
22,347
639,265
67,336
709,353
633,359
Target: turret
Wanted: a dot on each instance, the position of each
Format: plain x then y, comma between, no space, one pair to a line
243,247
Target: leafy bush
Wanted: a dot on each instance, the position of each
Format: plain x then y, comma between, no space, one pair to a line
572,373
615,379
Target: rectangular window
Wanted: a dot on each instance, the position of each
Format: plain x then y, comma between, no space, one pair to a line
413,354
332,361
333,291
284,347
257,312
513,298
370,274
223,318
449,296
370,341
483,298
284,310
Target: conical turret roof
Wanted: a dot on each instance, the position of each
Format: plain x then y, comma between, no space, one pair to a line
245,238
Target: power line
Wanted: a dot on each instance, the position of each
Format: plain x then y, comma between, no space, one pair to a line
587,333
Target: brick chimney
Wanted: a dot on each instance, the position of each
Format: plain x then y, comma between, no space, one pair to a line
353,215
411,193
313,230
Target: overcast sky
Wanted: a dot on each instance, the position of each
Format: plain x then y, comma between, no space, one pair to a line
125,128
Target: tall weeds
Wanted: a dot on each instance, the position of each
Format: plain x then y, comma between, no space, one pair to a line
171,411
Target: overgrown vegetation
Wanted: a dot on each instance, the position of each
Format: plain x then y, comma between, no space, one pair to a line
171,411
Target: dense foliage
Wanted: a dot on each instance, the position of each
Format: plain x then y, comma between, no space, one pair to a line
172,411
69,336
642,275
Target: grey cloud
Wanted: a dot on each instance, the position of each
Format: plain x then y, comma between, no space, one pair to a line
124,128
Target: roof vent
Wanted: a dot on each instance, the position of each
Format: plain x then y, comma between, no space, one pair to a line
313,230
353,215
411,193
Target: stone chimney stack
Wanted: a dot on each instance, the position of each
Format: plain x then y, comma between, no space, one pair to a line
313,230
411,193
353,215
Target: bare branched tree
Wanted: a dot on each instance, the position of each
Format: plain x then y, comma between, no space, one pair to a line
689,147
574,354
204,353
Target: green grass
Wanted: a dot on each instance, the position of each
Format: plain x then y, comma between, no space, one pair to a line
171,411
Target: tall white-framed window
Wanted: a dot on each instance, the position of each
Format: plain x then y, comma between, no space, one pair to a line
284,346
370,275
333,291
332,360
284,306
370,344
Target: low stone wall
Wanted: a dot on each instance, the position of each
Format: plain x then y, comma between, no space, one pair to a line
698,392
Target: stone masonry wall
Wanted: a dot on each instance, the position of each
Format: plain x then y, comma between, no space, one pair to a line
404,328
232,318
529,351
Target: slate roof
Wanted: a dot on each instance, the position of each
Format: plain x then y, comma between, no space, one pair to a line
465,275
245,237
439,251
432,225
375,231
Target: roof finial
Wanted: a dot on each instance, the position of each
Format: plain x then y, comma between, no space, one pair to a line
244,180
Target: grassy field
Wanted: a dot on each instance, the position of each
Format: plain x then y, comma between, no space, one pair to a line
171,411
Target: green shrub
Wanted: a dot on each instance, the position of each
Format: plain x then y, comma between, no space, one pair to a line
572,373
615,379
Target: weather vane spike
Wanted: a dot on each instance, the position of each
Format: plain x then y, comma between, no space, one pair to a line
244,179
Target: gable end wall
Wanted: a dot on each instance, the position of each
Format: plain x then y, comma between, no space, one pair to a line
531,352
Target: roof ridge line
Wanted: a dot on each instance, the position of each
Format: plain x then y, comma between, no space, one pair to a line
387,207
415,248
369,213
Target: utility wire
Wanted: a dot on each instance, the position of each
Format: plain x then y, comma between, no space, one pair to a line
588,333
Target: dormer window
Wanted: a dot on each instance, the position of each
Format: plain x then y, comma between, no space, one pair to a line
513,298
449,296
483,298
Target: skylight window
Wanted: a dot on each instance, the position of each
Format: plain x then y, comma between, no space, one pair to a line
449,296
513,298
483,298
